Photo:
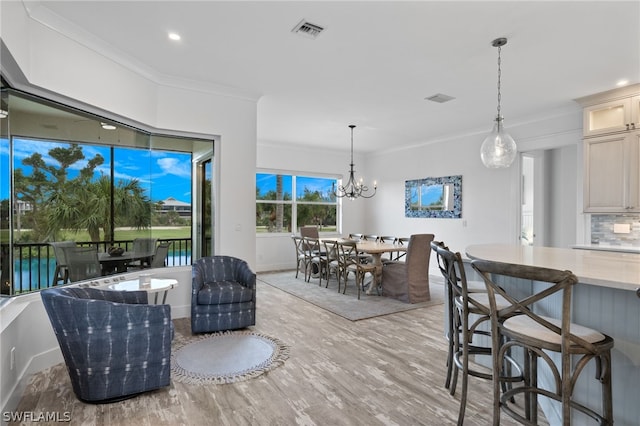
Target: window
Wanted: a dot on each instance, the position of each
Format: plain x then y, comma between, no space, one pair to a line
69,175
279,211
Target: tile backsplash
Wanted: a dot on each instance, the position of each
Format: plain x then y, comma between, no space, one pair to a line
604,225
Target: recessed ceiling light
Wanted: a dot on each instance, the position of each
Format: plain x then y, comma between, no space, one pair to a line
174,36
108,126
622,83
3,113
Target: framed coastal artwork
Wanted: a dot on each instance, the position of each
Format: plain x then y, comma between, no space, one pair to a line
434,197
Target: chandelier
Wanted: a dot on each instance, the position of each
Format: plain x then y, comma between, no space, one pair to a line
353,189
498,149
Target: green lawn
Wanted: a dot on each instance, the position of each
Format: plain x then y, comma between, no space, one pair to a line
125,234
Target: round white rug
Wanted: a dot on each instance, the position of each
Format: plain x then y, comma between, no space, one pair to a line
226,357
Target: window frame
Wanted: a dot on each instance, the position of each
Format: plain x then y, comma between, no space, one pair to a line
294,203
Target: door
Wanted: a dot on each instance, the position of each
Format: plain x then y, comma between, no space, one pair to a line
203,238
533,199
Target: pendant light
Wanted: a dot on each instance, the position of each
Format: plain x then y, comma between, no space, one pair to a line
498,149
354,188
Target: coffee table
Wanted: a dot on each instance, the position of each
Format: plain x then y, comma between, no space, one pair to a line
148,284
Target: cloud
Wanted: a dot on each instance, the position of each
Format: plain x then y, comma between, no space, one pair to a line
171,166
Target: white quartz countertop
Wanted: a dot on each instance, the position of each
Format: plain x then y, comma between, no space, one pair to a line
600,268
608,247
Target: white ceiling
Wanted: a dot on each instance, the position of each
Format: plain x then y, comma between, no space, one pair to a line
374,63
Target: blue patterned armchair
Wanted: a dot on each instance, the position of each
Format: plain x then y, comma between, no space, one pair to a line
114,344
223,294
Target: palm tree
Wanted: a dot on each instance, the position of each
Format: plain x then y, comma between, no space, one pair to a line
86,204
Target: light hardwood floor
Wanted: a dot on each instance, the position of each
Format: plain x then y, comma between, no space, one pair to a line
387,370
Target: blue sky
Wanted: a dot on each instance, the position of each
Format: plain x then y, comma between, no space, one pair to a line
163,174
267,182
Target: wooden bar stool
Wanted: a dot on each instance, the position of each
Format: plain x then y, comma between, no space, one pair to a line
468,327
525,326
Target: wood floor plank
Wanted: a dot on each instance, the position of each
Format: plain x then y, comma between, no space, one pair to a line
386,370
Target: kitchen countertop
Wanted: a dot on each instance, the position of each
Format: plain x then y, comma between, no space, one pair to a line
599,268
608,247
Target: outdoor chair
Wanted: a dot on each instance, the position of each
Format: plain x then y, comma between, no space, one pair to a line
160,257
82,263
115,345
61,273
223,294
143,249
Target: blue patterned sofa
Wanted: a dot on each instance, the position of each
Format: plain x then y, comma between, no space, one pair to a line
223,294
114,344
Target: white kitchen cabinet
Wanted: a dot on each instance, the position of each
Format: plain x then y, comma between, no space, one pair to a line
612,116
616,110
612,176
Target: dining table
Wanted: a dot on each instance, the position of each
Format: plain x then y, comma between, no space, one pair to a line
376,249
116,264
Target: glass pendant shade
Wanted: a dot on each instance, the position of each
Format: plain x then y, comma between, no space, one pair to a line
498,149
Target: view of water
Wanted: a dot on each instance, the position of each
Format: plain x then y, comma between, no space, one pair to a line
38,274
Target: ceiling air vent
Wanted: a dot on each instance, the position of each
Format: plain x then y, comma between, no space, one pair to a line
440,98
307,29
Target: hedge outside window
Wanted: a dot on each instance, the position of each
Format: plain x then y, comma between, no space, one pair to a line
277,211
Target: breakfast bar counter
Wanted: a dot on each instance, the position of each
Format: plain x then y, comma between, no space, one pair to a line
605,299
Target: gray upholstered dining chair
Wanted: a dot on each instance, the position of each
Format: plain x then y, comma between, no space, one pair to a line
309,232
223,294
115,345
409,281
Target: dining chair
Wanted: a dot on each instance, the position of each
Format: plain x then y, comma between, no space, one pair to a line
468,326
313,252
61,273
309,231
301,255
82,263
525,324
409,281
401,241
388,239
331,265
370,237
350,262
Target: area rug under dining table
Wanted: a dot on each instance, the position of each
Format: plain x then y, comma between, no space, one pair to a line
346,305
